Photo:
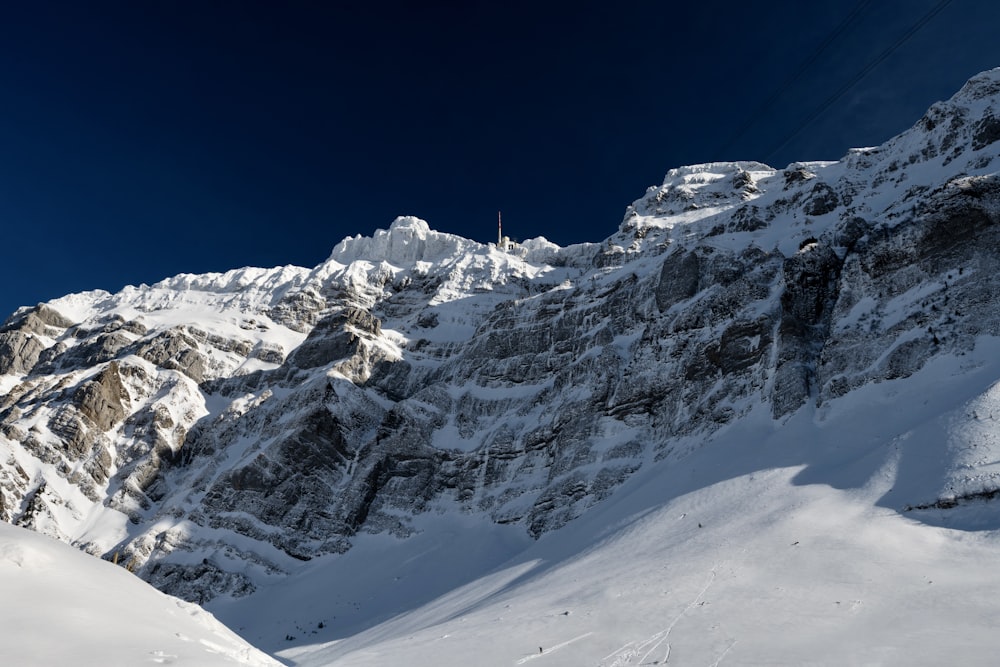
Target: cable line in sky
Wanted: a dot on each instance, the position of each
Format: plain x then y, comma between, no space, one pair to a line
818,111
796,75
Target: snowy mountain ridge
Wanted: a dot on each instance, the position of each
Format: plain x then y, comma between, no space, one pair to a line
224,435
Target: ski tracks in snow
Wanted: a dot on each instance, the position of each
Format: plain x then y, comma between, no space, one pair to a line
637,650
552,649
638,653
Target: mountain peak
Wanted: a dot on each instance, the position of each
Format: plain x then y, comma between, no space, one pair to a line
410,222
981,86
408,240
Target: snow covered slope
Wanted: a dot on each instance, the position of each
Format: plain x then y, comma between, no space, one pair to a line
62,607
423,427
736,555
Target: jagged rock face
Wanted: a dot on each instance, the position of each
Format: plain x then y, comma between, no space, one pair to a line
22,338
810,278
19,351
247,420
936,274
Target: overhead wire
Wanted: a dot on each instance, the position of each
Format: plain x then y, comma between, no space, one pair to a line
803,66
828,102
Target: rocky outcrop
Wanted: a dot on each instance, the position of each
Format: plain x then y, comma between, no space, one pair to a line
679,278
104,399
335,337
811,279
174,349
283,485
937,268
19,352
42,320
22,337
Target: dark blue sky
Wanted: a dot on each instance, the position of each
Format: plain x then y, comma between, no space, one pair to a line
143,139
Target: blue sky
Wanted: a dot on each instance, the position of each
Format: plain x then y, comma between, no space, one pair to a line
141,140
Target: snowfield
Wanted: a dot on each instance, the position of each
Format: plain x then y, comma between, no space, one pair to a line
63,607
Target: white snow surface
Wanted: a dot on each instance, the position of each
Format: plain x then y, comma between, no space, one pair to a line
62,607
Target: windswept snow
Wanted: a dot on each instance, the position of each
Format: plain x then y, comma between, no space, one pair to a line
63,607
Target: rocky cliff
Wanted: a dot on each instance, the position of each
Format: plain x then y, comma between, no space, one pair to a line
212,430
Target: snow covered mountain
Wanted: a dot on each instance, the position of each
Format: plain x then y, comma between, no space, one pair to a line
757,357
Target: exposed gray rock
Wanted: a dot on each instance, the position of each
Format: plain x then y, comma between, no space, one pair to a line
103,400
987,131
822,200
299,310
174,350
42,320
335,337
282,485
811,289
97,350
199,583
19,352
679,279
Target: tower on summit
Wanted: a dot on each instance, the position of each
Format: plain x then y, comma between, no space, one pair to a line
503,242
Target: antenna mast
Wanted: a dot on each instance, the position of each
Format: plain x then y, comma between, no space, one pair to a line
499,231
